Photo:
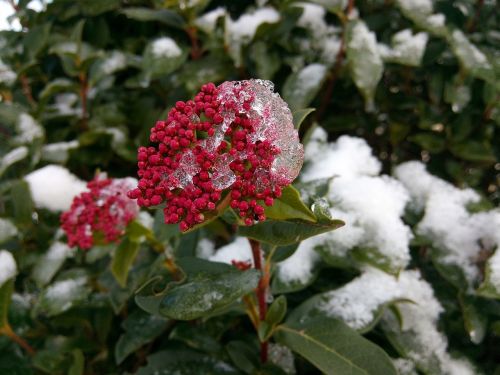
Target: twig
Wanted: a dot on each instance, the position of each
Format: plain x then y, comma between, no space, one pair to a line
83,98
261,292
7,331
471,25
339,59
193,38
27,90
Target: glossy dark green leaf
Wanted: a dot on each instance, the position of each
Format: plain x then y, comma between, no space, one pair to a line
473,151
183,362
164,16
301,87
123,258
334,348
140,329
207,293
23,205
289,206
78,364
300,115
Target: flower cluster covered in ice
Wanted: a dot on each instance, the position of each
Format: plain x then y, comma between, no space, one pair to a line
101,213
237,138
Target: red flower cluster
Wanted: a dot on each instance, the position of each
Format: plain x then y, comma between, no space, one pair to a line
103,212
237,137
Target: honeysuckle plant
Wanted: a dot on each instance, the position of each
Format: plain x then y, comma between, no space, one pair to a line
153,222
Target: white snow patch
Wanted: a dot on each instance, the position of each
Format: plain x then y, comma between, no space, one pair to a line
405,366
347,157
357,302
238,250
63,292
205,248
28,129
208,21
13,156
407,49
114,62
242,31
58,152
371,205
467,53
165,48
299,267
416,6
8,267
7,75
53,187
325,39
7,230
64,104
458,234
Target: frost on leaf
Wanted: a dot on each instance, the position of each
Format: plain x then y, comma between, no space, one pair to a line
406,48
458,236
241,32
364,60
470,57
8,266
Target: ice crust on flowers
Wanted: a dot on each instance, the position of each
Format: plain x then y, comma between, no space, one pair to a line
8,267
103,210
53,187
458,234
238,136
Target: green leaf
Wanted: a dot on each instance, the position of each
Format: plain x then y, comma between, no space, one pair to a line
473,151
489,288
283,233
243,356
164,16
96,7
475,322
429,141
198,337
6,290
123,259
376,259
334,348
78,364
277,311
140,329
300,115
301,87
206,294
23,205
289,206
184,362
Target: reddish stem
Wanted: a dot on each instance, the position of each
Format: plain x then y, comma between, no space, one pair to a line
7,331
339,59
261,292
193,38
83,97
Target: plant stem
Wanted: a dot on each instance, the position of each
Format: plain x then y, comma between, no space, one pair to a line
193,38
339,59
7,331
261,291
83,97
